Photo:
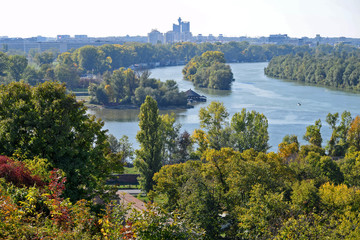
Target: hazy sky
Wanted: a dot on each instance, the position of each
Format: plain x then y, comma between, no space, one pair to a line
253,18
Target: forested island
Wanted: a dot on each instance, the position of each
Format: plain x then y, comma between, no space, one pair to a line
209,71
338,67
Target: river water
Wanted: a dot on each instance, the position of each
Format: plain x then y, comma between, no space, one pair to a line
288,106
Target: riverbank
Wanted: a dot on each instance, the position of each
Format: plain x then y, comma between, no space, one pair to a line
89,105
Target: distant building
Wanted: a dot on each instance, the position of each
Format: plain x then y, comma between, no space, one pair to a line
278,38
194,97
62,37
81,37
155,37
41,39
211,38
180,32
170,37
184,26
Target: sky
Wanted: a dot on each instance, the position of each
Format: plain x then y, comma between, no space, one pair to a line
232,18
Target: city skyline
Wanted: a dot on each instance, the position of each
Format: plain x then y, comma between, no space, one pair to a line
232,18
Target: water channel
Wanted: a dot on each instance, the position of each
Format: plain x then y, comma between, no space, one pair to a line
288,106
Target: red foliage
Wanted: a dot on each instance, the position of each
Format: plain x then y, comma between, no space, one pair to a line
60,213
16,173
57,184
127,231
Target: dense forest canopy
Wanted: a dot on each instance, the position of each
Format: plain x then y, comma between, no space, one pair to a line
336,68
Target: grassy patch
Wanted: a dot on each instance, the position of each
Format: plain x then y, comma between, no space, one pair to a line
128,187
143,197
132,170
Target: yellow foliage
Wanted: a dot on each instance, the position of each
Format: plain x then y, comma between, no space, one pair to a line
339,196
201,139
288,151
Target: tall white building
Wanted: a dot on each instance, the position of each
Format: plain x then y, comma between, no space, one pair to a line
155,37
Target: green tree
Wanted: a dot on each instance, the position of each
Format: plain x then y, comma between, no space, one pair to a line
122,147
350,166
313,134
67,74
213,119
148,157
305,196
338,144
250,131
90,59
17,65
44,58
47,122
170,133
4,61
31,75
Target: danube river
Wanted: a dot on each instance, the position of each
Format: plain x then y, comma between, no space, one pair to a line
288,106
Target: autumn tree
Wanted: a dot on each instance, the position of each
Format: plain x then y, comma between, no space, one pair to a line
289,147
353,136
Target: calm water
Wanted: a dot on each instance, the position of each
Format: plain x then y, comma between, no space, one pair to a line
252,90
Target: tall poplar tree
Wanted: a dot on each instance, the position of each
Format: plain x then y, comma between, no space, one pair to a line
148,158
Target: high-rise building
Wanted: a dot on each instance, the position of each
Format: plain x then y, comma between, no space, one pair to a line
180,33
155,37
185,27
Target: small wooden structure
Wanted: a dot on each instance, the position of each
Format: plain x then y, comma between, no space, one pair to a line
194,97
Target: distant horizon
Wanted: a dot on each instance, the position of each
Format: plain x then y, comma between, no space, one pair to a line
232,18
127,35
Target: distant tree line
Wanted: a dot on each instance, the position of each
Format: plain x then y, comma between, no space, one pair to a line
338,67
68,67
209,70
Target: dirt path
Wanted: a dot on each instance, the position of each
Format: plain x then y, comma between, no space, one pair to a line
128,198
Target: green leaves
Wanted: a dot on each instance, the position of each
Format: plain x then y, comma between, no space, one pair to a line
46,122
148,159
313,134
250,131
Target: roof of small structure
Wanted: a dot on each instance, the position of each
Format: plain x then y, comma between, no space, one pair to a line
191,93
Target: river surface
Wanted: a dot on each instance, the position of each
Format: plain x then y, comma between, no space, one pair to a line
288,106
